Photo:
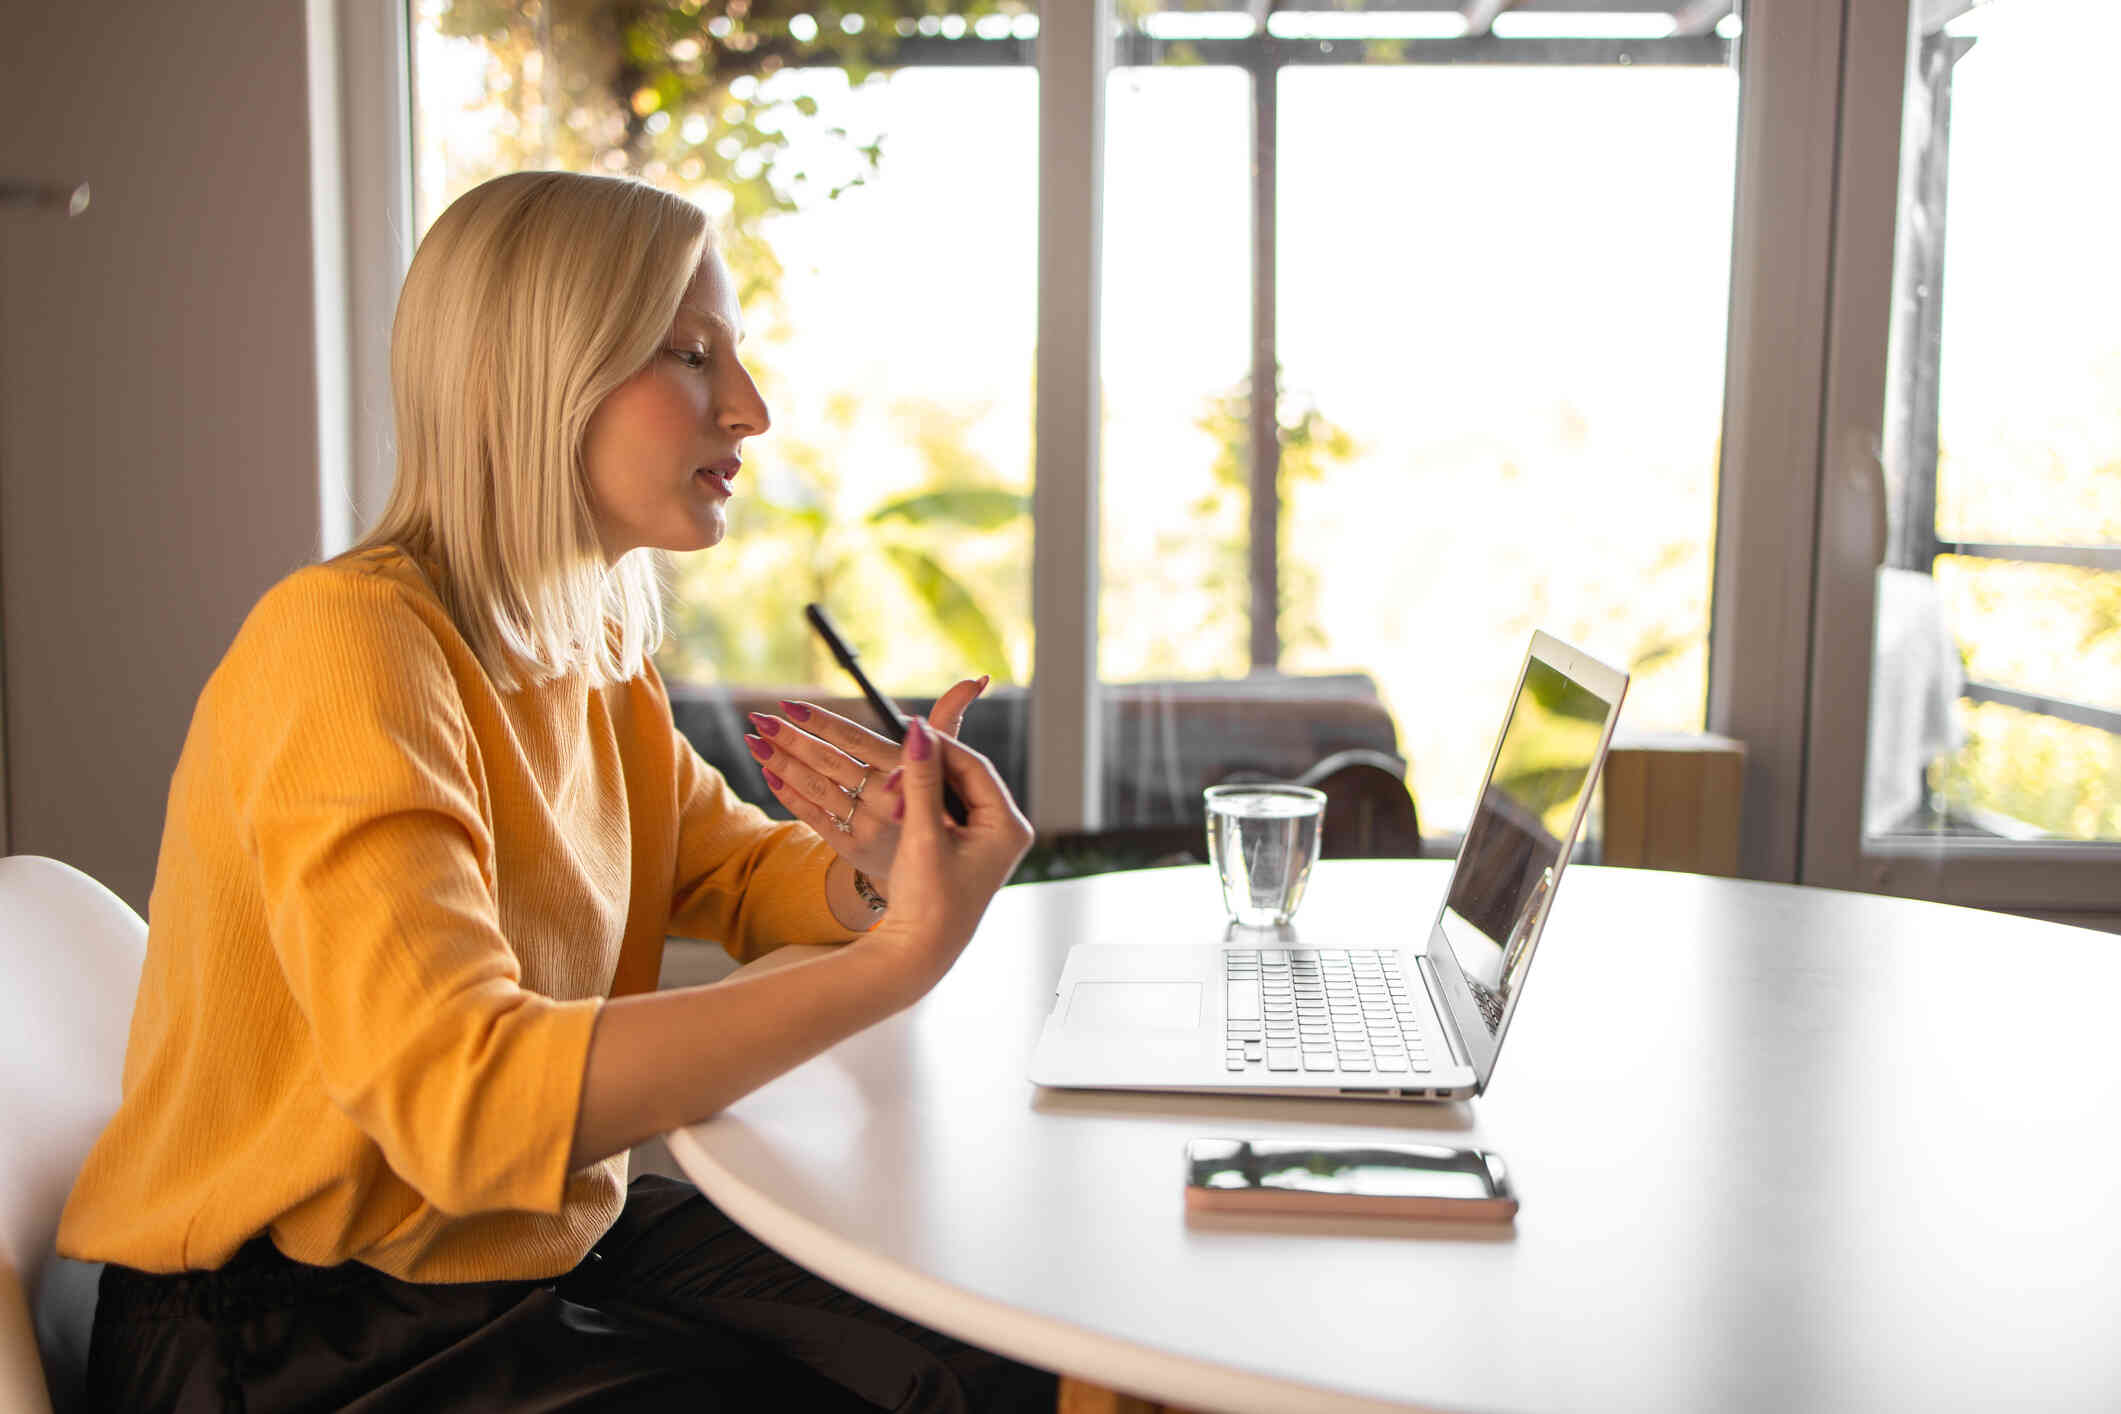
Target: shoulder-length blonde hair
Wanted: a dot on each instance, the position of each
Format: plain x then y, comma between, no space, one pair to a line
531,298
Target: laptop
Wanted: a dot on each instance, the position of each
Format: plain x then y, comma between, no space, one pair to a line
1286,1011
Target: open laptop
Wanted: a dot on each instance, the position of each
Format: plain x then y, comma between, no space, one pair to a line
1288,1012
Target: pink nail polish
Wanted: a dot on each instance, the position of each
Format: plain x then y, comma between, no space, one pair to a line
766,725
891,781
772,780
898,808
919,745
796,711
759,748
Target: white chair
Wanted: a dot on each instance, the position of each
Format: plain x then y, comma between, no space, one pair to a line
70,955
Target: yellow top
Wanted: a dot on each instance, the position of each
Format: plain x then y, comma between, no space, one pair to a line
389,903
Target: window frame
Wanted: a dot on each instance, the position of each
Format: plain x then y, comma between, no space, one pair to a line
1880,49
362,155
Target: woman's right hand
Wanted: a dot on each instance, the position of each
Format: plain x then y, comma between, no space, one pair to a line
944,874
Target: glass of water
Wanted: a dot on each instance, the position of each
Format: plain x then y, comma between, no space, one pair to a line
1263,840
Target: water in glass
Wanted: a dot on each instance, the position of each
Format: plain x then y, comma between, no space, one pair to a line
1263,841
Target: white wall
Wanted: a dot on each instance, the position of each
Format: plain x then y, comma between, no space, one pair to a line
158,405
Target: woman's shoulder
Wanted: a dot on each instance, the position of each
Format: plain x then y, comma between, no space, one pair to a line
373,608
395,565
339,666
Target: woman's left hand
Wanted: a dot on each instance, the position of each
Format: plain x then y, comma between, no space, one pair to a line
830,773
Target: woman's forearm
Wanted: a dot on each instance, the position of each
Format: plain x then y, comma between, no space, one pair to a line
664,1059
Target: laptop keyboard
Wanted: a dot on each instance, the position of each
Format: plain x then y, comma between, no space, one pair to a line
1325,1009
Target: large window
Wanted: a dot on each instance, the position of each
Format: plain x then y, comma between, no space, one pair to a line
1996,700
1496,372
1483,270
1533,384
1417,324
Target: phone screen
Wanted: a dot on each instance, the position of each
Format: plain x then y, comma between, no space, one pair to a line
1357,1170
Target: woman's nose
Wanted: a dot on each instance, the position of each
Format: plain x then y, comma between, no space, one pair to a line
743,410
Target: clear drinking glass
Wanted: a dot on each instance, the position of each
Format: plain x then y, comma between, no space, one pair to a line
1263,840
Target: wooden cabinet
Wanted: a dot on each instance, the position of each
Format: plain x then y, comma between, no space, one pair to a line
1671,802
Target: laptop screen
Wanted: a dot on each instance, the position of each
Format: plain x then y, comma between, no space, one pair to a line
1529,810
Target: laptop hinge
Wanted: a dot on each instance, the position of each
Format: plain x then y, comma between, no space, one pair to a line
1443,1013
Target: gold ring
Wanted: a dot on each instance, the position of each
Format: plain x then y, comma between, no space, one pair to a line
856,794
846,826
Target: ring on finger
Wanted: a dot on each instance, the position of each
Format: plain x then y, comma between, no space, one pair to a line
855,795
844,826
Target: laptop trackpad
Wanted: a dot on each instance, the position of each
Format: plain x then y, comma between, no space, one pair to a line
1134,1006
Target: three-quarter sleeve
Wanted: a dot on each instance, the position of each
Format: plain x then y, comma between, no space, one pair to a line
358,798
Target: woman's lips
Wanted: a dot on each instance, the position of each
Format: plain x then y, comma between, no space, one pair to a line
722,474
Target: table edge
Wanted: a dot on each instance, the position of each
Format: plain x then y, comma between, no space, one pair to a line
1044,1341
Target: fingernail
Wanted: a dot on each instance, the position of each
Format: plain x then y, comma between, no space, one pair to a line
984,679
759,748
764,723
772,780
898,808
796,710
919,746
891,781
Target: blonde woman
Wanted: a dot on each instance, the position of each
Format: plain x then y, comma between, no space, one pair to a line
398,1028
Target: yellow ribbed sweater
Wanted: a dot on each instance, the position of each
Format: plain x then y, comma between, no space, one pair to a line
389,903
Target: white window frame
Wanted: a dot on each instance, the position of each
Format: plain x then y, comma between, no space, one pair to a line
1065,753
360,94
2001,874
1766,520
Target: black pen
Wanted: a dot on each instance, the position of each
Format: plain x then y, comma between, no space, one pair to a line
886,710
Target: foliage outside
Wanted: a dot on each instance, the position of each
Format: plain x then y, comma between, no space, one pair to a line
681,94
2051,629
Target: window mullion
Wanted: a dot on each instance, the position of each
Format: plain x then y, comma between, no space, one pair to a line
1074,55
1852,514
1265,384
1773,424
373,45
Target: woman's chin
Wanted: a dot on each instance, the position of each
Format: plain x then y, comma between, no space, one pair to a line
701,533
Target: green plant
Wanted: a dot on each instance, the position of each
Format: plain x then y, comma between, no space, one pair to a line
951,550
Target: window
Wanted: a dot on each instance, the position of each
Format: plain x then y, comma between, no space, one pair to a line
1959,725
1493,282
1996,699
1529,364
1484,270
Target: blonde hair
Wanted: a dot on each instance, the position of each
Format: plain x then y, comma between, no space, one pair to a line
531,298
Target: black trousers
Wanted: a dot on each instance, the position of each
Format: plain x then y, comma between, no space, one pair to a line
676,1307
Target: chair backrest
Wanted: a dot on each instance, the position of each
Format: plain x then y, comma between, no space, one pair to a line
1370,812
70,956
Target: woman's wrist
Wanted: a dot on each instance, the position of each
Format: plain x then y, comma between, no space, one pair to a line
909,958
846,900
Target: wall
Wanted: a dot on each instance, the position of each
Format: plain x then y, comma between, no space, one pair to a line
158,405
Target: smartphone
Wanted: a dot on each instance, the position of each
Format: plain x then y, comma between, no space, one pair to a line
1347,1180
887,711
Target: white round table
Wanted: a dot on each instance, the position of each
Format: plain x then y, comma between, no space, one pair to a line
1777,1147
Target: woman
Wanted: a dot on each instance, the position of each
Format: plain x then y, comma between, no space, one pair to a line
397,1027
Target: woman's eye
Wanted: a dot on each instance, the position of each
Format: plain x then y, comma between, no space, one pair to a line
691,358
